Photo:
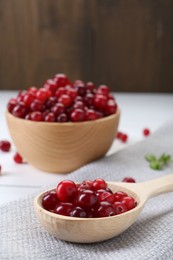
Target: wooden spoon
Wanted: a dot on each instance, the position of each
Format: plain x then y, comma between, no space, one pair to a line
89,230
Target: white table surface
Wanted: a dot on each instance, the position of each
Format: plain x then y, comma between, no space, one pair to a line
138,111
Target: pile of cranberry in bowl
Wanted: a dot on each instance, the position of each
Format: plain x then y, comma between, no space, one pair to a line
59,100
62,125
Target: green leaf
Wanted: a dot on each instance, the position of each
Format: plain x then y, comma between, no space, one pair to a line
155,165
150,157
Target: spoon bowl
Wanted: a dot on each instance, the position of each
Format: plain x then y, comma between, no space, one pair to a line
89,230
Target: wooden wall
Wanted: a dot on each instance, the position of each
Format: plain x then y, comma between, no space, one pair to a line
127,44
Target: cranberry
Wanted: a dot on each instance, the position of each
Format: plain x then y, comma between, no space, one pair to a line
28,99
62,118
61,91
119,195
81,89
129,202
119,135
49,200
99,184
90,86
129,179
36,105
119,207
43,94
27,117
65,100
77,115
103,90
91,115
105,209
50,85
19,110
109,190
100,101
106,196
61,80
50,117
66,190
89,99
33,90
79,104
18,158
11,104
58,109
78,212
51,102
63,208
111,107
78,98
86,199
71,92
5,146
85,185
124,138
36,116
146,132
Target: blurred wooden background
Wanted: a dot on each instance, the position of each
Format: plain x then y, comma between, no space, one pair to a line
126,44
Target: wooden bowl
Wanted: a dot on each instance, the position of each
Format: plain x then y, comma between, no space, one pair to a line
62,147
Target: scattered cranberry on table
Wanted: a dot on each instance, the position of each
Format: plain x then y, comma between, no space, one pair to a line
18,158
129,179
59,100
122,136
5,146
146,132
88,199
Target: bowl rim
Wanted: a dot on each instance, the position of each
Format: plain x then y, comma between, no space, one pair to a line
103,119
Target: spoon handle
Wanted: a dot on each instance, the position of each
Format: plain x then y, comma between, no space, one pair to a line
157,186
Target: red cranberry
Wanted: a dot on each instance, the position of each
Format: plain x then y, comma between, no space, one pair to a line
106,196
5,146
11,104
103,90
105,209
89,99
61,91
49,117
78,98
90,115
62,118
51,102
20,110
146,132
33,90
77,115
61,80
86,199
63,208
129,202
90,86
109,190
99,184
43,94
100,101
28,99
50,85
37,105
78,212
111,107
129,179
18,158
79,104
85,185
119,195
81,89
27,117
98,192
58,109
71,92
49,200
65,100
36,116
119,135
124,138
66,190
119,207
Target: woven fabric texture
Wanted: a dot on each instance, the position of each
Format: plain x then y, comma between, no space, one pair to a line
149,238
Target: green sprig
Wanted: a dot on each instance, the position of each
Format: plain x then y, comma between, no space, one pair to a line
158,163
